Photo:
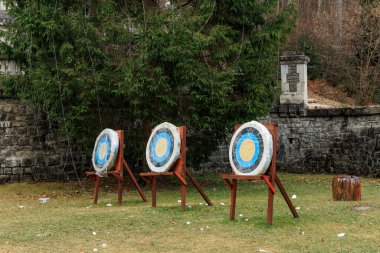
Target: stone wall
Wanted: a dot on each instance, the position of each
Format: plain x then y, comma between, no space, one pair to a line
30,148
325,141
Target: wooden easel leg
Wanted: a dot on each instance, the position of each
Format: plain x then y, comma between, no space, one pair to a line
286,197
96,192
154,199
199,188
233,199
137,186
270,207
120,191
183,197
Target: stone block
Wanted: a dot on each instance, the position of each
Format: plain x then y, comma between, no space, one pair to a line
17,170
5,124
53,160
19,123
4,179
10,131
7,108
23,141
32,131
28,170
21,130
12,162
15,178
27,161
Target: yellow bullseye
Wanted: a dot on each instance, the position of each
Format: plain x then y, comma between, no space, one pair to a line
102,151
247,150
161,147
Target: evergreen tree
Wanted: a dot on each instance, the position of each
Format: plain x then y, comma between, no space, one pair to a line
131,64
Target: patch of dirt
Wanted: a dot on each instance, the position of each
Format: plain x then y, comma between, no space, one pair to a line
322,95
362,208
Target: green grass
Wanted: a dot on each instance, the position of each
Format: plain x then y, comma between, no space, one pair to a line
67,222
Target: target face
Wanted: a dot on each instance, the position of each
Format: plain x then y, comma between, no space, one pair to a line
251,149
105,151
163,147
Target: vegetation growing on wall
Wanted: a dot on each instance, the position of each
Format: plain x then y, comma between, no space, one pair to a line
132,64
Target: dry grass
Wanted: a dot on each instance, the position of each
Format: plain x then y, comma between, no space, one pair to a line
67,222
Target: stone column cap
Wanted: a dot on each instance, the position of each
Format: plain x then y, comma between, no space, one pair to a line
294,57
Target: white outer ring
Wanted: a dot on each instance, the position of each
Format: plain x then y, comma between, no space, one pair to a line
176,147
263,165
114,146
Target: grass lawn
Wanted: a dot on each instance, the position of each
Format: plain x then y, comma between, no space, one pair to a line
69,222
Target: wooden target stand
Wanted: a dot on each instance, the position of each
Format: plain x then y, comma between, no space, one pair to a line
117,172
270,178
180,171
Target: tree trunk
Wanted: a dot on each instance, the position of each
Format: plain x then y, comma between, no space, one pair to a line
338,26
319,8
346,188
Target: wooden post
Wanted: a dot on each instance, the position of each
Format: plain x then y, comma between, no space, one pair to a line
346,188
96,193
154,195
286,197
233,199
183,197
182,166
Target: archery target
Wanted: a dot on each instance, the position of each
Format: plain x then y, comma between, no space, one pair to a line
251,149
163,148
105,151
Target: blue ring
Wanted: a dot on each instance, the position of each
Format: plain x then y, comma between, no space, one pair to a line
156,158
249,163
98,160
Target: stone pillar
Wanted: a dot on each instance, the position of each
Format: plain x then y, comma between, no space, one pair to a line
293,99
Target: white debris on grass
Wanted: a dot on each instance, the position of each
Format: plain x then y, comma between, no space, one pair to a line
263,250
298,208
179,201
93,233
200,204
109,204
104,245
189,206
95,250
44,200
201,229
294,196
188,223
341,234
246,219
21,206
241,215
221,203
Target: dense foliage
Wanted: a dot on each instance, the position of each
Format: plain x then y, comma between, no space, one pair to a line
132,64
